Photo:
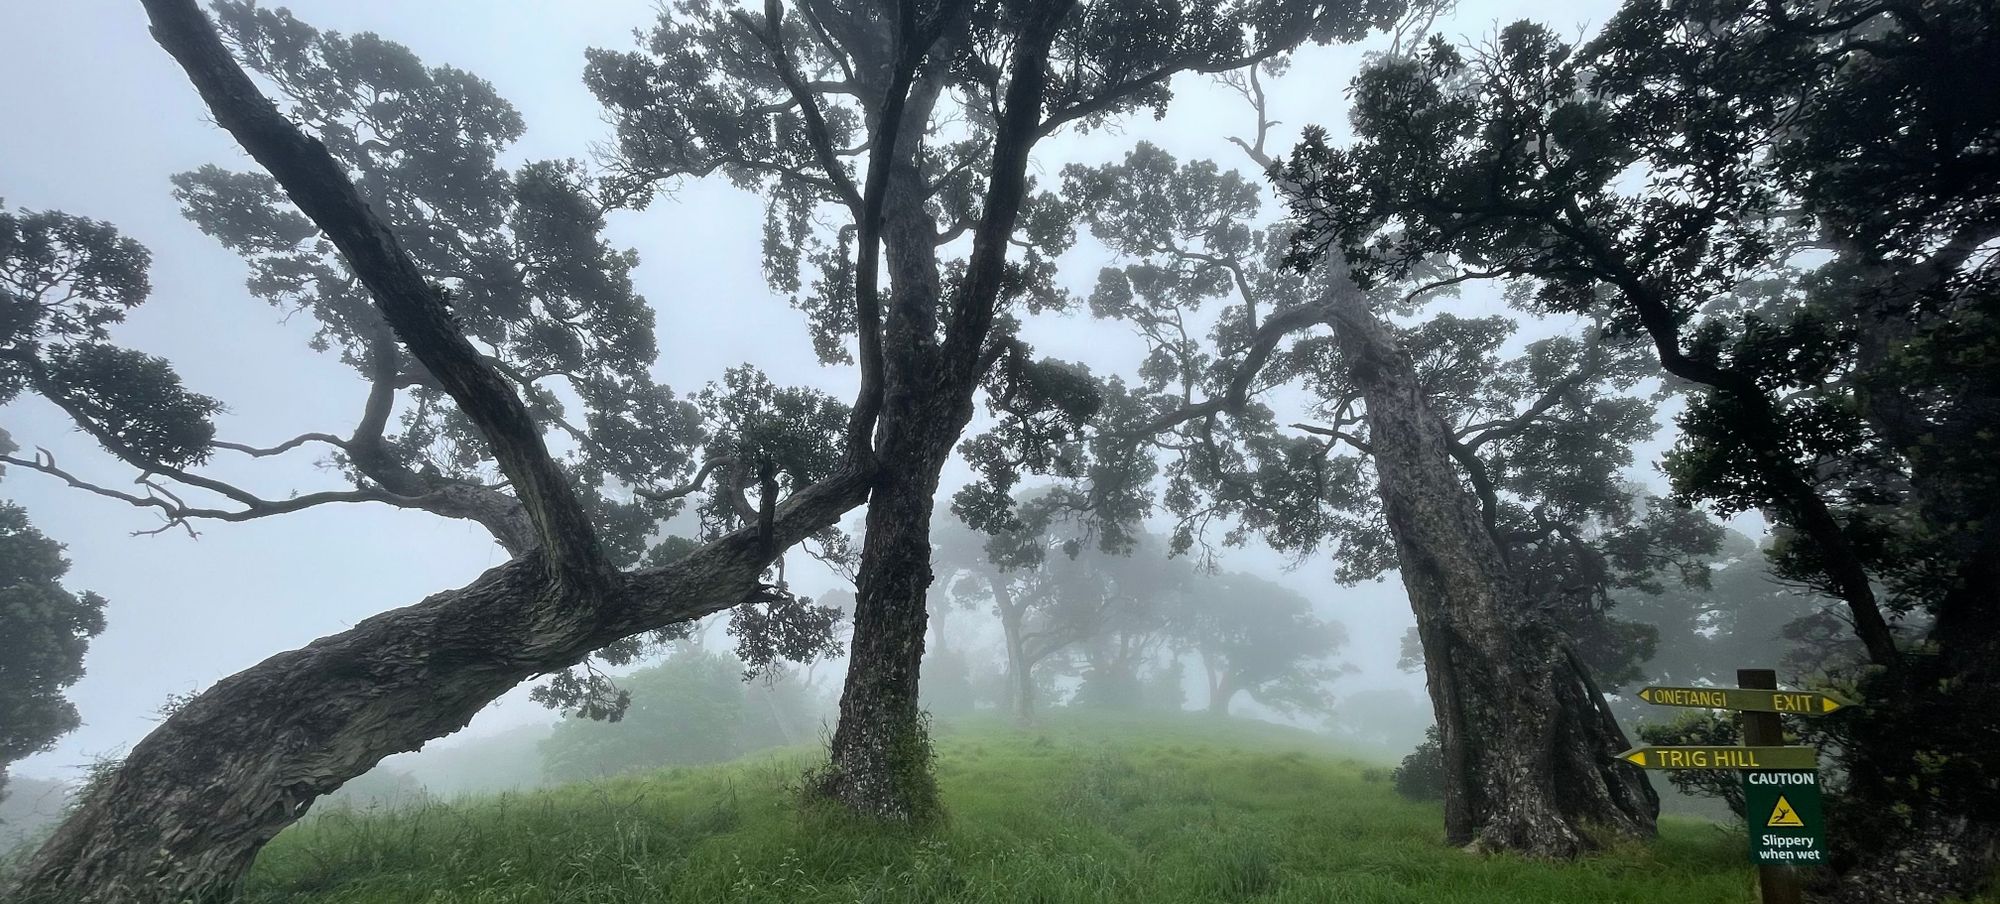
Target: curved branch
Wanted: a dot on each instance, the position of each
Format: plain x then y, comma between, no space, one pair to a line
692,485
286,446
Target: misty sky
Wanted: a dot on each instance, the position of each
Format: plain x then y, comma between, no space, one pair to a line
96,118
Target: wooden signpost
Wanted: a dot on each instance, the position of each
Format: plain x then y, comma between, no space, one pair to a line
1780,784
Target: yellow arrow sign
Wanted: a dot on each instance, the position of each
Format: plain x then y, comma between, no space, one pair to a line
1651,757
1743,699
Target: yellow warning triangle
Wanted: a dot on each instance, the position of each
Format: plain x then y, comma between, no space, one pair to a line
1783,815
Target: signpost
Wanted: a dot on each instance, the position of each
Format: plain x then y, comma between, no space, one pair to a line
1651,757
1780,784
1745,699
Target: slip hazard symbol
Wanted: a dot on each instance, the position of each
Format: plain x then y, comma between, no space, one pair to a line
1783,815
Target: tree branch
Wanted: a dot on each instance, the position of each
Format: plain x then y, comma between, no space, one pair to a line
282,448
179,513
772,36
414,308
1018,130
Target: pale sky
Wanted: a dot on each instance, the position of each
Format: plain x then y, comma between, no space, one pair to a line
97,117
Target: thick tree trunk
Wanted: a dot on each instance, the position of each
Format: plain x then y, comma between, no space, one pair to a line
1528,742
881,753
880,762
182,817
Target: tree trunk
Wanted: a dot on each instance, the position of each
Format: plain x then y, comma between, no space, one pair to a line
1919,822
1528,742
881,752
182,817
1020,672
1221,690
880,763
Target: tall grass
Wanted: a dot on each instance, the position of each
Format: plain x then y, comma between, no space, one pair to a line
1080,811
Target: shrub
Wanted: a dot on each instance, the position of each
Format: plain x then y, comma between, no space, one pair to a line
1421,777
1701,729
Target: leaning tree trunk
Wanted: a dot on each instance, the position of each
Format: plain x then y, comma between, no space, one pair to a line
1528,742
181,818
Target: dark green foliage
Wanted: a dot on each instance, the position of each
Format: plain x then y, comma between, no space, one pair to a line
520,253
788,627
1701,728
134,401
694,708
63,281
44,632
1703,259
67,278
1421,775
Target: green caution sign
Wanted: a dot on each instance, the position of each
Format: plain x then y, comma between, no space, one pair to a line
1783,810
1743,699
1651,757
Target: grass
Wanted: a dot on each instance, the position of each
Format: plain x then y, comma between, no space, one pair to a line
1082,810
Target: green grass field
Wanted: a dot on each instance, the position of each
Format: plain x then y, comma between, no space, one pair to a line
1082,810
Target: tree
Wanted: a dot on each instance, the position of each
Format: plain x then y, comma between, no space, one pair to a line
1494,481
1259,638
1841,350
44,632
952,98
1057,595
184,813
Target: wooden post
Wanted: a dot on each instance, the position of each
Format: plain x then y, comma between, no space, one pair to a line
1779,884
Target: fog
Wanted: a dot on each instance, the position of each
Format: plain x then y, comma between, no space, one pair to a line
101,140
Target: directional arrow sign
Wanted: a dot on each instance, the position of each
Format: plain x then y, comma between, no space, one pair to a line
1745,699
1650,757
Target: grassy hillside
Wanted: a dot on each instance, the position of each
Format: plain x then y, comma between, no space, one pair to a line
1084,810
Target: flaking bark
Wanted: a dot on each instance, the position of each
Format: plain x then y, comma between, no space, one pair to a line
192,804
1528,742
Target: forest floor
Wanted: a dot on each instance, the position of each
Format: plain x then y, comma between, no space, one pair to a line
1079,810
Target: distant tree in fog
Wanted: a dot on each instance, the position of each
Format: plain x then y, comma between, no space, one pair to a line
1259,638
